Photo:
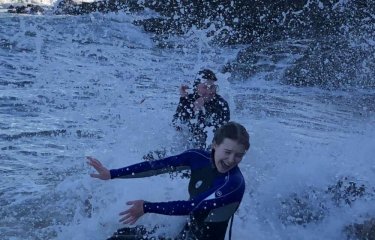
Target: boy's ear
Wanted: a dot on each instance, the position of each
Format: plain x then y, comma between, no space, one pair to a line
213,145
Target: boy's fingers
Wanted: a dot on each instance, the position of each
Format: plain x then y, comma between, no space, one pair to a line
93,160
94,175
124,212
129,221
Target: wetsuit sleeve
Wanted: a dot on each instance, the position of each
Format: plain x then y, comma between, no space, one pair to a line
223,114
230,193
226,113
152,168
184,111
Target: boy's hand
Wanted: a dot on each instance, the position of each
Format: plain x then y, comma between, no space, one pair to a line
131,215
103,172
183,90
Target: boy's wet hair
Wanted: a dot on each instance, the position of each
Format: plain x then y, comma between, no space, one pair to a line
204,74
207,74
234,131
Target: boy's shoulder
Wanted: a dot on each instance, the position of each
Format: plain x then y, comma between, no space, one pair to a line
220,99
198,153
236,175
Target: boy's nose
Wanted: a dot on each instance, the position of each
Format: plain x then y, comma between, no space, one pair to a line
231,159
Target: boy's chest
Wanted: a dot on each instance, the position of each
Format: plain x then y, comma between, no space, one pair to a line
202,180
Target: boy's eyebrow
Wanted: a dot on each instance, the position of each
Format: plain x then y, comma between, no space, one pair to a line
226,149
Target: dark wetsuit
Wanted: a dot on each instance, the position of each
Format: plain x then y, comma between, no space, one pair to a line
215,113
214,196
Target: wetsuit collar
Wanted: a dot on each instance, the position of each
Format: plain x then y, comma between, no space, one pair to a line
213,159
213,163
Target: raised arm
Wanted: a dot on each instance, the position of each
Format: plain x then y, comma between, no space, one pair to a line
222,115
184,111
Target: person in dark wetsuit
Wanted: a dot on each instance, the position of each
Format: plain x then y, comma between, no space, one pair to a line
198,111
201,109
216,187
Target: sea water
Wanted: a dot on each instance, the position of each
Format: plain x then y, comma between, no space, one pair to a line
96,85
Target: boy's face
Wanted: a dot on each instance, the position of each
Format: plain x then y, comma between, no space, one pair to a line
228,154
207,89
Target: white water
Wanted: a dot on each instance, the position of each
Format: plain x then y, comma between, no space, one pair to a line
90,75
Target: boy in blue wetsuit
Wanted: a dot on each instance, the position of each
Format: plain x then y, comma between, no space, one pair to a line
216,187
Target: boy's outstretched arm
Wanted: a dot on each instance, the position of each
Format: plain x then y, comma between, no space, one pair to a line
131,215
103,172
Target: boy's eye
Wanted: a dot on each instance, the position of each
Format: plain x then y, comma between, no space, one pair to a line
239,156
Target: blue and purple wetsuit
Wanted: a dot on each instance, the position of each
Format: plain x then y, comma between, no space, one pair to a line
214,196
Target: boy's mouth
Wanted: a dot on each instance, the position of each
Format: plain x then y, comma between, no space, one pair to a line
225,165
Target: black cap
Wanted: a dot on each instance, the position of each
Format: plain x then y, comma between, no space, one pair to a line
205,74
